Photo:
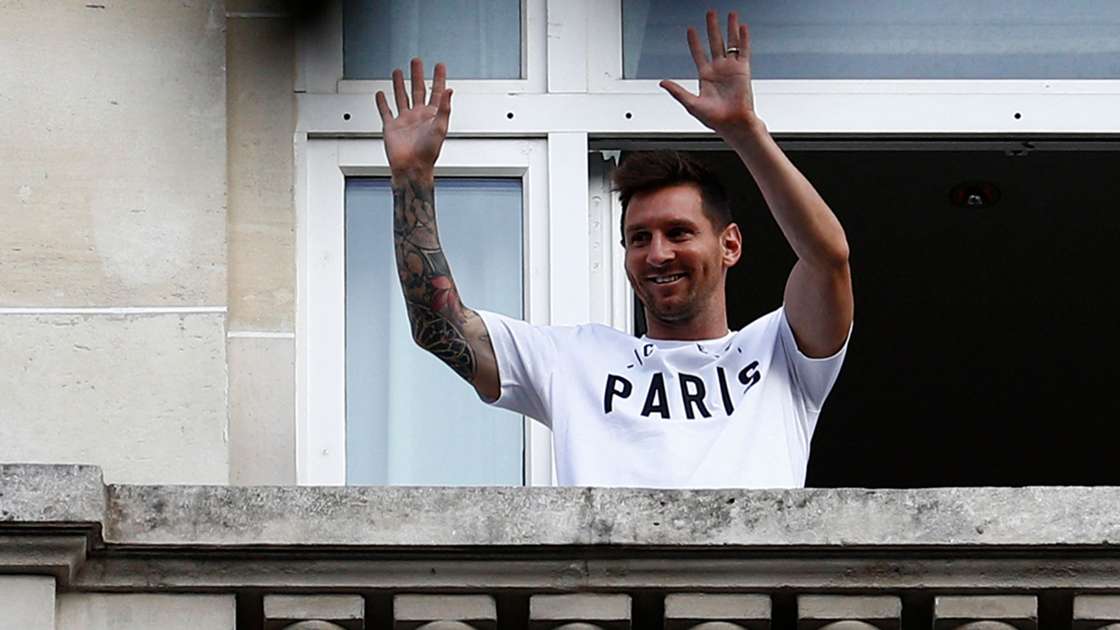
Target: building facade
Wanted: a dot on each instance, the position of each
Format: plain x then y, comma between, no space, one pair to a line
198,291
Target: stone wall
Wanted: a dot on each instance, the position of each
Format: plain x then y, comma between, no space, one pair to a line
146,307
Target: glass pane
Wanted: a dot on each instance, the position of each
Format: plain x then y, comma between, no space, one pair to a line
887,39
409,418
477,39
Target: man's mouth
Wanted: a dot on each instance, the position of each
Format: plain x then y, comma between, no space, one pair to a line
666,279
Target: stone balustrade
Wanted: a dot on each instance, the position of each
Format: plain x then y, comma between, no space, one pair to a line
75,553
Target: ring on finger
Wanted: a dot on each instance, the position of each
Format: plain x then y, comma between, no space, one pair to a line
732,50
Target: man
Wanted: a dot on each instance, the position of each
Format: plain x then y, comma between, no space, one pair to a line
691,404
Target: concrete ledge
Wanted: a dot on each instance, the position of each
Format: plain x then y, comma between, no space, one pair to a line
404,517
401,516
51,494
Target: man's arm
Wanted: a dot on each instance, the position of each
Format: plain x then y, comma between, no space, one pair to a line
441,324
818,295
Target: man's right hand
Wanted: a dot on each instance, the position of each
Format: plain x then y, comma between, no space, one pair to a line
414,137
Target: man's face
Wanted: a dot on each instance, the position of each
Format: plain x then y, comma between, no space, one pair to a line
675,258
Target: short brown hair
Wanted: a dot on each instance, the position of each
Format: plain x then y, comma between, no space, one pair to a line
644,171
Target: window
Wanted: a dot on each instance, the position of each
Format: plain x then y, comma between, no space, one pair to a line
478,39
409,419
884,39
352,319
590,91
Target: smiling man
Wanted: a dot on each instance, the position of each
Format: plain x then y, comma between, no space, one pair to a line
692,403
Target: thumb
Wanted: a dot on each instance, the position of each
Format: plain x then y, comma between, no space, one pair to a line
683,96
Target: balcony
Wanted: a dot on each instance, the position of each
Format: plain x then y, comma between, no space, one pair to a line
76,553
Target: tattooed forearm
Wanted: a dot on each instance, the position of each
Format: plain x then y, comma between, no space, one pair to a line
435,311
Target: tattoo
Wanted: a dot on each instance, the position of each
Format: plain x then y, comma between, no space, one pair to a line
435,311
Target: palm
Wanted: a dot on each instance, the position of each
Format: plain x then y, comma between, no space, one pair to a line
725,99
414,137
725,93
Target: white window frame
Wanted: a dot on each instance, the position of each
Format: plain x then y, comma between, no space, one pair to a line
879,106
549,296
320,59
574,93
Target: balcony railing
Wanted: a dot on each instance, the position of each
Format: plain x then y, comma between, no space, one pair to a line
75,553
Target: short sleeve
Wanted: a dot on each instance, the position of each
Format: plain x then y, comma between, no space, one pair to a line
526,357
814,377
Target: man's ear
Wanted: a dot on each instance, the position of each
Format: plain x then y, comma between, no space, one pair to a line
731,242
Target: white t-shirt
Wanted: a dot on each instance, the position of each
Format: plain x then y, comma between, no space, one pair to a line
738,411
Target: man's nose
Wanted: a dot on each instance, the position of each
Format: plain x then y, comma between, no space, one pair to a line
660,251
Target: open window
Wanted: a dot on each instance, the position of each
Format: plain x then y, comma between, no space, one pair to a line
983,343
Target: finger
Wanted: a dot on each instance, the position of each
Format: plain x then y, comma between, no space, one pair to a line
683,96
733,30
439,83
418,92
398,91
698,56
715,39
383,106
745,42
443,114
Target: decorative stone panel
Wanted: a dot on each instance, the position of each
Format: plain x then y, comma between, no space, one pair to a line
341,611
145,611
1096,612
579,611
985,612
709,611
444,612
27,602
848,612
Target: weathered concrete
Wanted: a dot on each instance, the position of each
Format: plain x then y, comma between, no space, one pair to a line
113,185
59,556
142,396
261,107
262,441
27,602
51,494
504,516
614,516
134,611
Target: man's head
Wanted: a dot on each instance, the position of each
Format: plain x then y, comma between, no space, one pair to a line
678,235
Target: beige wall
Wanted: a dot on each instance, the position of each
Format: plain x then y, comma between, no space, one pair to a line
261,107
139,200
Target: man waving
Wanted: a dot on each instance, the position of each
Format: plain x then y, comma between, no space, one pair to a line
692,403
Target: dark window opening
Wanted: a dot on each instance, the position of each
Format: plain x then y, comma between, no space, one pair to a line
984,335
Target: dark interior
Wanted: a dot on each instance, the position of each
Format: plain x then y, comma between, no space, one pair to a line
984,337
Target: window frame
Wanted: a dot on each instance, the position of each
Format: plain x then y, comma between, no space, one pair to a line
320,58
321,299
574,98
882,105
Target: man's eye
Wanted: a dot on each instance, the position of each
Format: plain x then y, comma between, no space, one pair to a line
678,233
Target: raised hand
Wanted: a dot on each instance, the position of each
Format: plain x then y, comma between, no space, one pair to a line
414,137
725,101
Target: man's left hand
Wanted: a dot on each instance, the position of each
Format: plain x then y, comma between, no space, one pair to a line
725,102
